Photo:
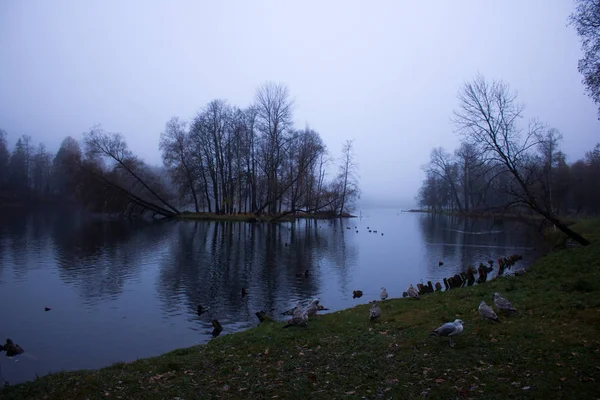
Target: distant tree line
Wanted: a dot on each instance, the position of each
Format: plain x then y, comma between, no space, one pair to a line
499,164
226,160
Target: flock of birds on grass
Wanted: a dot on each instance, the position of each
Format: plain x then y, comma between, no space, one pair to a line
301,316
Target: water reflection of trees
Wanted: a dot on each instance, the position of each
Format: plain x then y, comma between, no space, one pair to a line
24,240
460,242
209,263
98,256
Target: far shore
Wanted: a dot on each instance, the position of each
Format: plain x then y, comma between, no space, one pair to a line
251,217
495,214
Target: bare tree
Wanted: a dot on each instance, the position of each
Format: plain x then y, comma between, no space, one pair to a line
113,147
348,175
442,165
586,20
548,142
487,117
177,157
274,122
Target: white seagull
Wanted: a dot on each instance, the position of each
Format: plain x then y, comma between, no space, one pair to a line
503,304
449,329
384,294
298,320
487,312
312,308
296,311
375,311
412,292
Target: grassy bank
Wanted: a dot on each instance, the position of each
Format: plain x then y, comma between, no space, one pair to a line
250,217
550,349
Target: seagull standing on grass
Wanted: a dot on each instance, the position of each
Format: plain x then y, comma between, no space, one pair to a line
449,329
375,311
298,320
412,292
487,312
294,311
312,308
384,294
503,304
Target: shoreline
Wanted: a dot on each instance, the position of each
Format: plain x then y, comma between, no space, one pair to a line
557,326
569,219
251,217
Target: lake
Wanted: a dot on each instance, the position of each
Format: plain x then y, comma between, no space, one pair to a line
119,290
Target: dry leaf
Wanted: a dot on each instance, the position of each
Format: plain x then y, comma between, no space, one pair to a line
563,379
352,392
439,380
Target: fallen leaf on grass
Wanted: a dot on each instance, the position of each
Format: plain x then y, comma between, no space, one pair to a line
563,379
352,392
439,380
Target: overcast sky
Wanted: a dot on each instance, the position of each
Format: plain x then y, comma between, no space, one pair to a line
385,73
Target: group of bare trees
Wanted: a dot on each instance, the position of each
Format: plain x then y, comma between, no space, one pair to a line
226,160
229,160
499,164
25,173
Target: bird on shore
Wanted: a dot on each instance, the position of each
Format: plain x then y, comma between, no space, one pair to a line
449,329
375,311
383,294
298,320
295,311
217,328
487,312
261,315
357,294
312,308
11,348
412,292
440,263
503,304
202,310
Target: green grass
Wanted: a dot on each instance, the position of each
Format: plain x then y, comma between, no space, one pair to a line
549,349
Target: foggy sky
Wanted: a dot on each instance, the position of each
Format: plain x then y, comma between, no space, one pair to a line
384,73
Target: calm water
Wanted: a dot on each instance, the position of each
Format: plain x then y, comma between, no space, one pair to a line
121,291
